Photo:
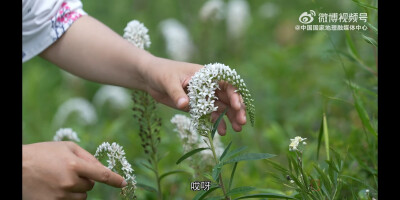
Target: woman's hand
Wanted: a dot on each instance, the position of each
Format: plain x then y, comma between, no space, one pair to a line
62,170
166,81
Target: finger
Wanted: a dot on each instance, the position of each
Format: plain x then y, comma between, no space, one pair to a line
83,154
234,97
241,115
222,128
100,173
177,94
82,185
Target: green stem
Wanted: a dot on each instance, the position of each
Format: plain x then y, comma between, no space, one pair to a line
221,183
159,193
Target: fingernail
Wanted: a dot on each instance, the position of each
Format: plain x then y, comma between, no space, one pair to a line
124,183
181,101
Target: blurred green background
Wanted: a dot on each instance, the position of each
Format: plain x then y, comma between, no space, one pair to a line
294,76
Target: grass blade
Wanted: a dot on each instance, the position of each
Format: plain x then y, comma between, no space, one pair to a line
370,40
190,153
323,132
362,113
351,45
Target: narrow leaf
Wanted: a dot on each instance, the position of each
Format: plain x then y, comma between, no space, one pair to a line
323,132
265,195
370,40
249,156
225,151
232,174
373,28
172,172
240,190
216,171
190,153
362,113
234,152
202,194
351,45
215,127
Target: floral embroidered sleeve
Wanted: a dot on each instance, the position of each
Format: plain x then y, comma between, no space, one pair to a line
44,22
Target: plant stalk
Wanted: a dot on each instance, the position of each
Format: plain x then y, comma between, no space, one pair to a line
221,183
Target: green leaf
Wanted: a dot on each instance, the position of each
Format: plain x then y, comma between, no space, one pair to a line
351,45
323,132
216,171
232,174
190,153
240,190
146,187
249,156
202,194
225,151
364,5
373,28
234,152
172,172
370,40
265,195
362,113
215,127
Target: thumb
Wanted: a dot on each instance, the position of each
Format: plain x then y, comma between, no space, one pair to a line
178,95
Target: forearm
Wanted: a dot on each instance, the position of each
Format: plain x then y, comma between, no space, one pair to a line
93,51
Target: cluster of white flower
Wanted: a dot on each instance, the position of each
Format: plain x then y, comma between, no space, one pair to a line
295,143
81,106
66,134
212,10
188,134
116,160
238,18
202,88
136,33
118,97
177,38
190,138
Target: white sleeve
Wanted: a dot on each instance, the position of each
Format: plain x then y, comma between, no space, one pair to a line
44,21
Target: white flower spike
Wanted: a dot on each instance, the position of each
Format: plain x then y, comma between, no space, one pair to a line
295,143
136,33
66,134
202,88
